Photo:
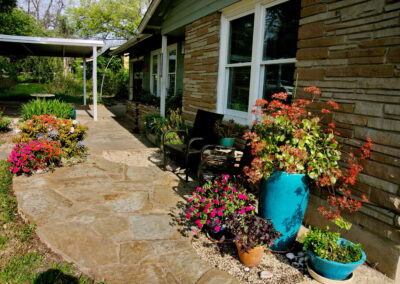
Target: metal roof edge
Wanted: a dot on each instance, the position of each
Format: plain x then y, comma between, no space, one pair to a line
133,41
149,13
51,40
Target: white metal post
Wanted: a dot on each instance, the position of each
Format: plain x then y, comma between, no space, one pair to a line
164,74
94,78
84,81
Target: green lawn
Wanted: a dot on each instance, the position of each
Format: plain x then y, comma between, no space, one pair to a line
22,92
23,259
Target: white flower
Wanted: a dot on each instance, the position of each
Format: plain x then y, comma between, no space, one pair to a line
72,130
17,130
74,122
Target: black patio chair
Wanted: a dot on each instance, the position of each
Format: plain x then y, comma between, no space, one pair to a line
201,134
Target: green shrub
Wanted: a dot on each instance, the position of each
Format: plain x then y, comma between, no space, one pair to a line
66,85
324,244
51,107
4,122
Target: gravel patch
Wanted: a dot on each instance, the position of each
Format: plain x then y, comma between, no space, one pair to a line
274,268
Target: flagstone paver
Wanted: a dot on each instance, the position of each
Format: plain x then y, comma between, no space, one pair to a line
111,214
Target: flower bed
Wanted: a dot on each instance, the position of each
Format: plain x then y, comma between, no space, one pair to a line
45,142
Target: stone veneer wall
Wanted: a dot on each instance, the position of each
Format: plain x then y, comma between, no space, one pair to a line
136,110
351,50
201,66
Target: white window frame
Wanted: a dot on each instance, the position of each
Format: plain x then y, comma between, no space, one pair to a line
158,52
257,64
172,47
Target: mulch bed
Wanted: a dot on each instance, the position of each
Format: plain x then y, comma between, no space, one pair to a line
224,256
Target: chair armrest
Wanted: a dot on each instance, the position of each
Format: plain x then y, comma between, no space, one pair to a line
191,142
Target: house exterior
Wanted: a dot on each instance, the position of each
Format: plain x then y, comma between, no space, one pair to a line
223,55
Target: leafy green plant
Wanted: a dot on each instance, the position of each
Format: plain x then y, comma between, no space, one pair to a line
325,244
4,122
51,107
8,203
251,231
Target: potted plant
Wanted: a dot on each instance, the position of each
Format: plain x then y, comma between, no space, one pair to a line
331,256
292,150
251,233
227,131
210,204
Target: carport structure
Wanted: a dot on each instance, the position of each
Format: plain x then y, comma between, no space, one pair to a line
55,47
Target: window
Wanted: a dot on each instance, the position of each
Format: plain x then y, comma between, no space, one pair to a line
156,70
171,71
155,73
258,51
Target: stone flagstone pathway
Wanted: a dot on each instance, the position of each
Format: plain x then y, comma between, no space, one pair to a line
111,214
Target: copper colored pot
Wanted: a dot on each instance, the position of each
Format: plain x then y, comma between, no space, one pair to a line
252,257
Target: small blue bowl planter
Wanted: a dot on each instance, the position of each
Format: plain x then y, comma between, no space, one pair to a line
227,142
333,269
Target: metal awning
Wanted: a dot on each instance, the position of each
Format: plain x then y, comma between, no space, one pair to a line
47,46
55,47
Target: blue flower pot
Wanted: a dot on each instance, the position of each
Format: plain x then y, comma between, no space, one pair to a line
73,113
283,199
227,142
332,269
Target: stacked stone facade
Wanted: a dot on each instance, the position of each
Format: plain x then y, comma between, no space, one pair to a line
201,66
351,50
136,111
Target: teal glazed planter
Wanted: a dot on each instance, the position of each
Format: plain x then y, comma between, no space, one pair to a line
227,142
333,269
73,113
283,199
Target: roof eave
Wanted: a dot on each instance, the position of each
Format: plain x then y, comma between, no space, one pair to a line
149,13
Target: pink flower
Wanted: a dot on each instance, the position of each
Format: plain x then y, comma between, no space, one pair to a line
217,228
208,222
220,213
249,208
234,189
241,196
212,214
242,211
188,215
217,221
191,209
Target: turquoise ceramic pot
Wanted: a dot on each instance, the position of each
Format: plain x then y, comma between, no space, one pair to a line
333,269
283,199
73,113
227,142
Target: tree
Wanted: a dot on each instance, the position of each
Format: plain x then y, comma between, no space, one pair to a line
17,22
107,19
47,13
7,5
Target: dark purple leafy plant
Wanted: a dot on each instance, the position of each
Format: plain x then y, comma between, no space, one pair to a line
251,231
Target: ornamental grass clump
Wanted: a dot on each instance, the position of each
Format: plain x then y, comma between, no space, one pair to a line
50,107
35,155
4,122
69,133
290,137
251,231
210,204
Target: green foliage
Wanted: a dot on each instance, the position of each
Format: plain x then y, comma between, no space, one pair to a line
148,98
42,106
21,269
66,85
27,232
156,125
7,5
17,22
173,101
22,91
107,19
4,122
8,203
325,244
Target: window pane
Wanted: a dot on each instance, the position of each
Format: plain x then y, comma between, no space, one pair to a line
154,84
241,39
155,65
239,85
172,61
171,84
278,78
281,27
